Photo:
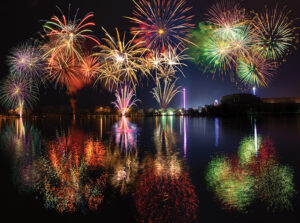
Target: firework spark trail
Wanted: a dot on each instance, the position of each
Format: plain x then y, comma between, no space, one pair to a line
108,76
165,73
172,62
166,64
161,23
125,99
165,95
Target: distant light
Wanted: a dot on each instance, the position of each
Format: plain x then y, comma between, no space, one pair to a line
170,113
253,90
216,103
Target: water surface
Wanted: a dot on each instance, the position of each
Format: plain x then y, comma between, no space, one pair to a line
161,169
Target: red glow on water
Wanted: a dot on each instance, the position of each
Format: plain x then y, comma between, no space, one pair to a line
165,197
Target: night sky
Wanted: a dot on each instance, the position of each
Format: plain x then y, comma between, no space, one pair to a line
22,20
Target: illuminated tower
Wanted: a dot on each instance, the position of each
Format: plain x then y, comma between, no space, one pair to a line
184,107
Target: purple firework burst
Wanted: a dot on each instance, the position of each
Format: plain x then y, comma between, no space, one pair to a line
18,92
27,60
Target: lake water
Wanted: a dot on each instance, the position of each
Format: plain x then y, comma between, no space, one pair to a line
160,169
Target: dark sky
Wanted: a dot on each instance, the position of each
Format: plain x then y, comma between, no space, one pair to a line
21,20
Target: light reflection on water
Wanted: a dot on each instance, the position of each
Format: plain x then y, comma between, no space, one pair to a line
125,134
23,143
251,177
75,168
70,174
217,132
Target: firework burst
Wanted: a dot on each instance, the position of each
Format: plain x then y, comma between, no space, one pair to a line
227,16
67,35
18,93
89,67
242,42
232,42
154,60
219,54
166,64
164,97
255,70
125,59
68,61
63,70
161,23
26,60
125,99
275,32
213,52
173,60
